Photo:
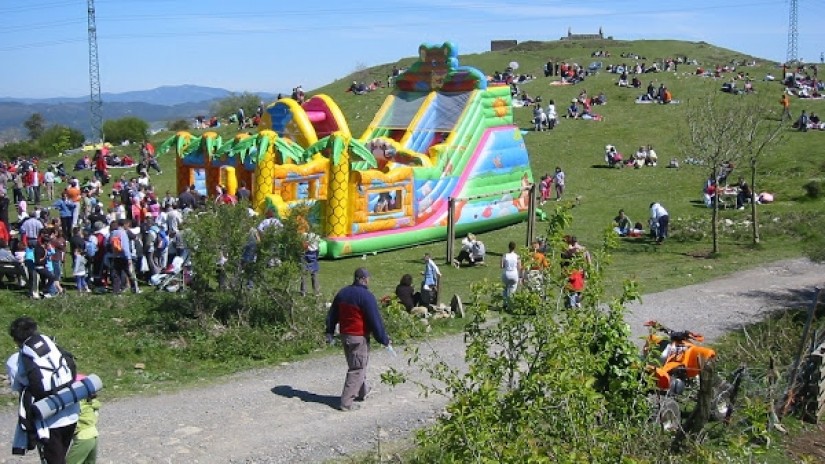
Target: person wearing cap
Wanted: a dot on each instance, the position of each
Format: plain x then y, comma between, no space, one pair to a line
355,310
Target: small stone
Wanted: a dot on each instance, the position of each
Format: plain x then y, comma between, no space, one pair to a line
140,366
420,311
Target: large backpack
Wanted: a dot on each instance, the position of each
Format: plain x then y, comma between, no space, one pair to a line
47,367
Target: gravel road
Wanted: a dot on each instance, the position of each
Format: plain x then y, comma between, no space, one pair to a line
286,414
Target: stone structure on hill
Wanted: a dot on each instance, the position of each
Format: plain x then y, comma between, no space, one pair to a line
571,36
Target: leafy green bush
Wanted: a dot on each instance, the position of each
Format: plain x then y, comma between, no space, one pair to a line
57,139
548,384
14,149
180,125
129,128
813,189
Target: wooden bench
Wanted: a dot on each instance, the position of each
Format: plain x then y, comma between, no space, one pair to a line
13,270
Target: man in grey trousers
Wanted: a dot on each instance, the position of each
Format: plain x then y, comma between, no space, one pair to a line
355,311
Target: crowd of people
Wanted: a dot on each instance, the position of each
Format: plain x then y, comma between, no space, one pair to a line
101,242
645,156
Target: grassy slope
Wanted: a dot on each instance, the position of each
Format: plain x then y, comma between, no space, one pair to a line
576,146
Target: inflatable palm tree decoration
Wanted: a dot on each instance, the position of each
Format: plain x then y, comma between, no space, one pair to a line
339,148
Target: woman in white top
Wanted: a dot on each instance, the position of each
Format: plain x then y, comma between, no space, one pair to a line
510,272
552,117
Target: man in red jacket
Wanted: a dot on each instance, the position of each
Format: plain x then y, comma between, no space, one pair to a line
355,311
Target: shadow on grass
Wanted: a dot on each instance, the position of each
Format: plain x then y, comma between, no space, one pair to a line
602,166
307,397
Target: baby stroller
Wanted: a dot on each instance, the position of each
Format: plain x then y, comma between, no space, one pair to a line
176,276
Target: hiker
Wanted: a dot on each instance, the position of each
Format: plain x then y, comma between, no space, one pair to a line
34,382
355,311
84,444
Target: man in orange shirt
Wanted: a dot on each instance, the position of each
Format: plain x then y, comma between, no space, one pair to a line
786,106
74,195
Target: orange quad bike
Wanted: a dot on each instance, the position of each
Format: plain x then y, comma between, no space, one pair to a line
675,360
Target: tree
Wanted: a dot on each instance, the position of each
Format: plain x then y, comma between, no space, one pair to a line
361,73
179,125
57,139
715,136
35,125
228,106
128,128
760,134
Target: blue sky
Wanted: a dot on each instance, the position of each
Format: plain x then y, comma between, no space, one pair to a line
271,45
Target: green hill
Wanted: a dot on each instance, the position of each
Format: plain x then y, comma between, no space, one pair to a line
578,147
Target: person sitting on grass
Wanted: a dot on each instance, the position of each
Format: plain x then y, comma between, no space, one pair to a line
472,251
709,193
652,158
573,110
406,294
612,157
623,224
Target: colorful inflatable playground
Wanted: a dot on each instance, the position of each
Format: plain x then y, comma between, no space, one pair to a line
442,133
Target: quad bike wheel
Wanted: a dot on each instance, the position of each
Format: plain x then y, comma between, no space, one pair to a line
670,415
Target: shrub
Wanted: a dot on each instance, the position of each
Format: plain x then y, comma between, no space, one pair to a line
547,384
813,189
180,125
57,139
129,128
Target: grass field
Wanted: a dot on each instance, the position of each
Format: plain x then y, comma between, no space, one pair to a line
575,145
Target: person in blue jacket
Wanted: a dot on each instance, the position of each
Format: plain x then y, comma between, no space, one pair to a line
355,310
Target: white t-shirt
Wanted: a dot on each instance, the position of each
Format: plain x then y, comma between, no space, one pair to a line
559,178
657,211
48,177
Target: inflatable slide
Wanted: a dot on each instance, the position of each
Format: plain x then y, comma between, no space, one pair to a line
443,133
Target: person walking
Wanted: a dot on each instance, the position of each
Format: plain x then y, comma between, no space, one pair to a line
510,272
355,311
786,106
28,377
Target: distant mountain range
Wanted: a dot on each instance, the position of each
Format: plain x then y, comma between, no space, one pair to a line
161,104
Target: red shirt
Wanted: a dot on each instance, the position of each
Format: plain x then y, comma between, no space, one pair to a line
576,281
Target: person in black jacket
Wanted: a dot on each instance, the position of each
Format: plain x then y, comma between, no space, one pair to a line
406,293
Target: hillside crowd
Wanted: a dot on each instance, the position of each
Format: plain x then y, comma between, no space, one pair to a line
103,240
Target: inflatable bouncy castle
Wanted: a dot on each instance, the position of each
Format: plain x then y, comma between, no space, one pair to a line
443,133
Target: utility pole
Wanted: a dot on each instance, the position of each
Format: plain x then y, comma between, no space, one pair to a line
96,104
793,33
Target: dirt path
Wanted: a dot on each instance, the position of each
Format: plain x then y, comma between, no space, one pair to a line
286,414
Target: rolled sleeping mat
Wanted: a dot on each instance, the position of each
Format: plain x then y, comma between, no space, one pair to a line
74,393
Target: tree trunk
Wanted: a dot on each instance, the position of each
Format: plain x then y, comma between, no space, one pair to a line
754,219
714,226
